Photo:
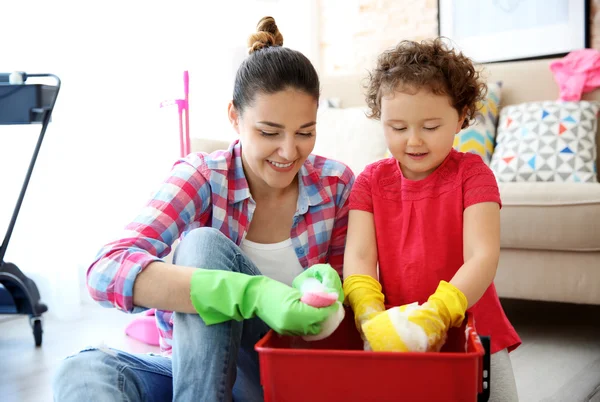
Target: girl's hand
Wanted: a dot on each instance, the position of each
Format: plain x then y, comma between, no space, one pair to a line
363,294
417,328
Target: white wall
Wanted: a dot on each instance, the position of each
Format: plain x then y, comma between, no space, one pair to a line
109,144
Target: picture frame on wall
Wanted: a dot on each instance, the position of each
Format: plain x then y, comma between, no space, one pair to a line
490,31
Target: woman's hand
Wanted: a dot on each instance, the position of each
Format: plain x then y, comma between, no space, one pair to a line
320,278
219,296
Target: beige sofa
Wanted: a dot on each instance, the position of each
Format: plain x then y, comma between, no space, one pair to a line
550,243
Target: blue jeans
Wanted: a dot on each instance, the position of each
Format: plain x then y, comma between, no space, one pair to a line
209,363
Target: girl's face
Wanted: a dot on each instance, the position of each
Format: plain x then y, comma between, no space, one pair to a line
419,130
277,133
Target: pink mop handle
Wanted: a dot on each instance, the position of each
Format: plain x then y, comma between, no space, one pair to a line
186,84
186,106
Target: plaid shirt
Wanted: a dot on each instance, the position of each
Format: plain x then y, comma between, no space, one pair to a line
211,190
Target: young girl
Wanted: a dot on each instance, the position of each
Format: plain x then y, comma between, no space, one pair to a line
429,217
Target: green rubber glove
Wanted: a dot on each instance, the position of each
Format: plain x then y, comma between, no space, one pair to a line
325,274
220,296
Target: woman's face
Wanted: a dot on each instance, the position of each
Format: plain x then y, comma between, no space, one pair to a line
277,133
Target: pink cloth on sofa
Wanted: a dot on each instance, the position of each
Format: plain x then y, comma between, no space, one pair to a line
577,73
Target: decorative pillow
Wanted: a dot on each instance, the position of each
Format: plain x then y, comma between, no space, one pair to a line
479,137
547,141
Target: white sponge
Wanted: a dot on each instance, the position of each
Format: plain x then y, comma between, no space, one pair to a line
329,325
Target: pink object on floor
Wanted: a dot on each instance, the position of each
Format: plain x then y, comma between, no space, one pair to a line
577,73
144,329
319,299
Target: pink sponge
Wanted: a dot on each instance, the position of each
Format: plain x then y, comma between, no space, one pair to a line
316,295
319,299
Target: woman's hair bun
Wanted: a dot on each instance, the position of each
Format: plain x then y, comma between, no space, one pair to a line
267,34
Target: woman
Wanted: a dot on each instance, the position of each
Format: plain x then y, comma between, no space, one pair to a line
264,206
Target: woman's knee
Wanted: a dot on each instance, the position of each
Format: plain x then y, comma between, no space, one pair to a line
75,367
205,234
205,247
87,373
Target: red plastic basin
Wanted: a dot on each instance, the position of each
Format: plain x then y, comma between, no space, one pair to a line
338,369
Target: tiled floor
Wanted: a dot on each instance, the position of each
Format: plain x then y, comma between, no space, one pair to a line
27,371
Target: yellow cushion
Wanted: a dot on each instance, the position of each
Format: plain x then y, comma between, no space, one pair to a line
479,138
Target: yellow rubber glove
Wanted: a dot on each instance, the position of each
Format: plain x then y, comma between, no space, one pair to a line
363,294
418,328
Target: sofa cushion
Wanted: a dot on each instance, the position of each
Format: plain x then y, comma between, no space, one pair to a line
479,137
558,276
349,136
547,141
207,145
550,216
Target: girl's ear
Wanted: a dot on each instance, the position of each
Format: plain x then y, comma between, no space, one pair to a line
461,120
234,117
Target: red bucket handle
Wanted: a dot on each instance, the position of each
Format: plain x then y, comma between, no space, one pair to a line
484,360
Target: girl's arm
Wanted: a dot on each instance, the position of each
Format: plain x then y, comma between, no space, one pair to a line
339,232
361,287
360,257
481,249
450,301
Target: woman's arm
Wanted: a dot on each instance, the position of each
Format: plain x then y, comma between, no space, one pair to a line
165,287
360,257
118,275
481,248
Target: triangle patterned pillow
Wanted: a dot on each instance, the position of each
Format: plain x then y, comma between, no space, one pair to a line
547,141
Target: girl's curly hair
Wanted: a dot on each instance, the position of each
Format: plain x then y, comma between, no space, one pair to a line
431,65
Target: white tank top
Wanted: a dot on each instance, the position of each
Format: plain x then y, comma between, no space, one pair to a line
276,260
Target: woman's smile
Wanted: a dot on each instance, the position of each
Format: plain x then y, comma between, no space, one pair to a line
281,167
